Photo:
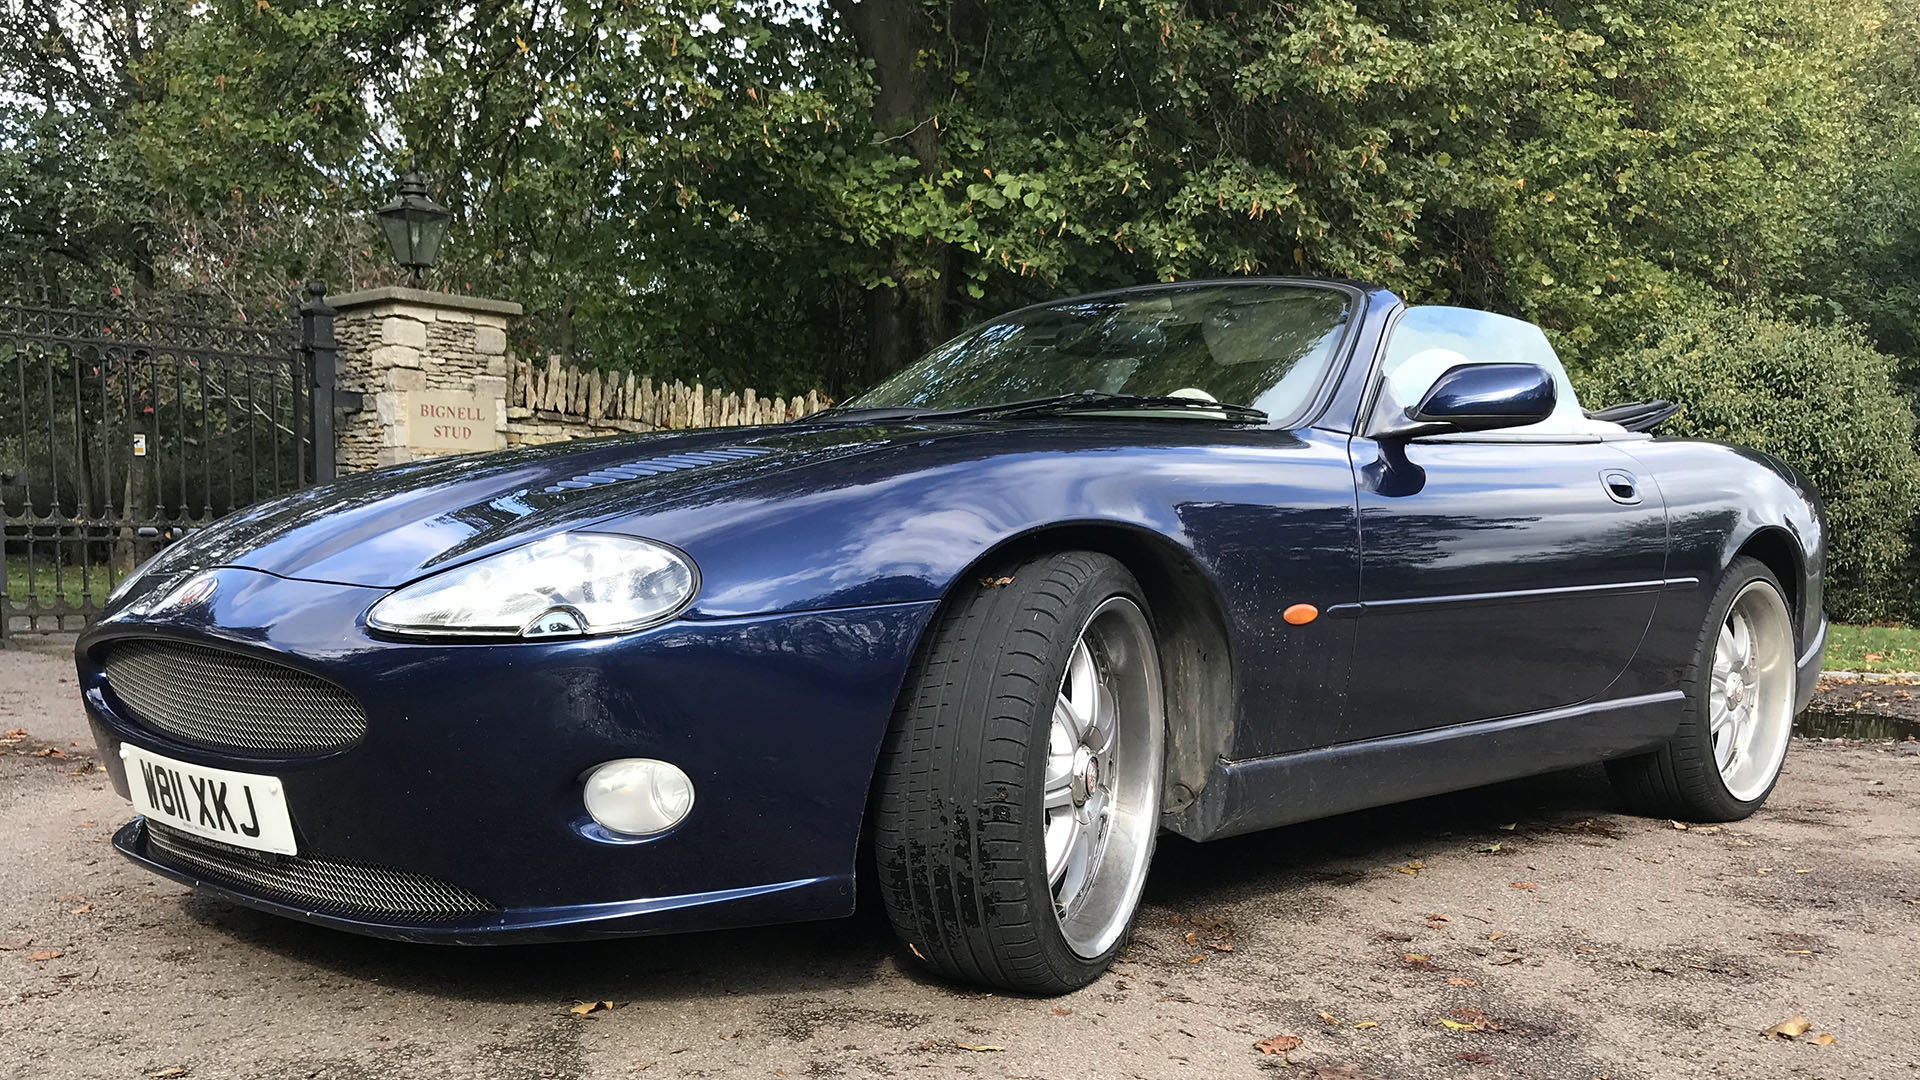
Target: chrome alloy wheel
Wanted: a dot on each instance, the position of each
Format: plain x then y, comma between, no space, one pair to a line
1751,696
1104,759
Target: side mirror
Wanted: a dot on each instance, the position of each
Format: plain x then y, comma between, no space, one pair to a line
1478,397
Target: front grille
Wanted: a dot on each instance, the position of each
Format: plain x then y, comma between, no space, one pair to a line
222,699
323,885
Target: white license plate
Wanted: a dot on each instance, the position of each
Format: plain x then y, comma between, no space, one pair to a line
243,809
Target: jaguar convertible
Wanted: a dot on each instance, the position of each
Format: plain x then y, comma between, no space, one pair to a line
1200,558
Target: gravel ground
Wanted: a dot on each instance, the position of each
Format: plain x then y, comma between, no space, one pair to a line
1582,943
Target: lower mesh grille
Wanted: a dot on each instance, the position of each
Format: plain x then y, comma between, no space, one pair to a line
341,888
223,699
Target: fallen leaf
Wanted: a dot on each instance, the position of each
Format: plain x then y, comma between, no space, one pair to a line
1058,1011
995,583
1365,1024
1419,962
1226,947
1279,1044
16,733
1490,849
1791,1028
1413,867
1510,828
983,1048
1196,958
1527,885
1825,1038
81,910
1190,937
1706,830
69,896
1474,1057
1510,958
587,1008
1473,1018
1496,935
1439,918
1328,1018
1873,657
44,955
1681,825
1808,870
1458,981
171,1070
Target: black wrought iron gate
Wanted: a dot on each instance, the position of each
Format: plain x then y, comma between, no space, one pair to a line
121,432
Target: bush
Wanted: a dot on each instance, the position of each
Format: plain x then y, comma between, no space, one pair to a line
1820,398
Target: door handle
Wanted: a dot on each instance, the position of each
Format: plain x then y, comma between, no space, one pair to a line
1621,485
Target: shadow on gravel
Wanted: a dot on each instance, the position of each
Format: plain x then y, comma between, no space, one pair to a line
819,957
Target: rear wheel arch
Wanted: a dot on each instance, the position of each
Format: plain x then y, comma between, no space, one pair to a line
1776,549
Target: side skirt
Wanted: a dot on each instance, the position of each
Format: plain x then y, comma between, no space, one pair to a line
1261,793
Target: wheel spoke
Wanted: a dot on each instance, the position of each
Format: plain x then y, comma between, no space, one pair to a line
1057,797
1742,643
1062,833
1079,859
1082,678
1104,718
1722,719
1068,716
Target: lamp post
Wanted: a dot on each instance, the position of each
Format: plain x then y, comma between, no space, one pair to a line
414,225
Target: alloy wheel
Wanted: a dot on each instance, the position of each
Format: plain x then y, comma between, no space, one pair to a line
1102,794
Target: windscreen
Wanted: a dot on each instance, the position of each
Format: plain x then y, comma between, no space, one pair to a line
1264,345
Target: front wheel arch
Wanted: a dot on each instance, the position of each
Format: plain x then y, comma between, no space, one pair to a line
1189,622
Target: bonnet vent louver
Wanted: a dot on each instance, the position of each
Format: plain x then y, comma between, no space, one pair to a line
634,470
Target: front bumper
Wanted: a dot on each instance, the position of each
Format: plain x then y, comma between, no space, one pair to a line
470,769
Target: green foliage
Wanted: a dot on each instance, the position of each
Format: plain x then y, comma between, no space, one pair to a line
1818,397
720,190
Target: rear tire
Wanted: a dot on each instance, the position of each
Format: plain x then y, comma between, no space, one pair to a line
1724,760
1018,791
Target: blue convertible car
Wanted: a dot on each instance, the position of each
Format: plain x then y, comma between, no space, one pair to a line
1204,558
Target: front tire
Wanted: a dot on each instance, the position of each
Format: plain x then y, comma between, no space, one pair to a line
1725,759
1018,792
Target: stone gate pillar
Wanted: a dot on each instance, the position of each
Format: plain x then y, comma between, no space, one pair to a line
421,374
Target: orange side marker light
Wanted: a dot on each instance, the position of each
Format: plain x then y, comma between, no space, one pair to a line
1300,614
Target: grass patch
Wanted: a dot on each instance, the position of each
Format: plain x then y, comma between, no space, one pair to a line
1872,648
50,587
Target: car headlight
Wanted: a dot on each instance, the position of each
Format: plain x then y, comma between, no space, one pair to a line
133,578
569,585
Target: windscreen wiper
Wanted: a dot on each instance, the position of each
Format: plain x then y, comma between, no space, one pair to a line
1101,401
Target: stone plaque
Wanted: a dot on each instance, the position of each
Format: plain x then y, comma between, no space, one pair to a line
449,421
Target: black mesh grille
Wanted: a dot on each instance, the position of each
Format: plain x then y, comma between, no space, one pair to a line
323,885
222,699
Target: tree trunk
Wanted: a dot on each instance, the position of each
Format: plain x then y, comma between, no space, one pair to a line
911,316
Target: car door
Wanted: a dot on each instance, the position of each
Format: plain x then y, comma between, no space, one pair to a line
1503,572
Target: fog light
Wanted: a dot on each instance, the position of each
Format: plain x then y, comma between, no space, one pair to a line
638,796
